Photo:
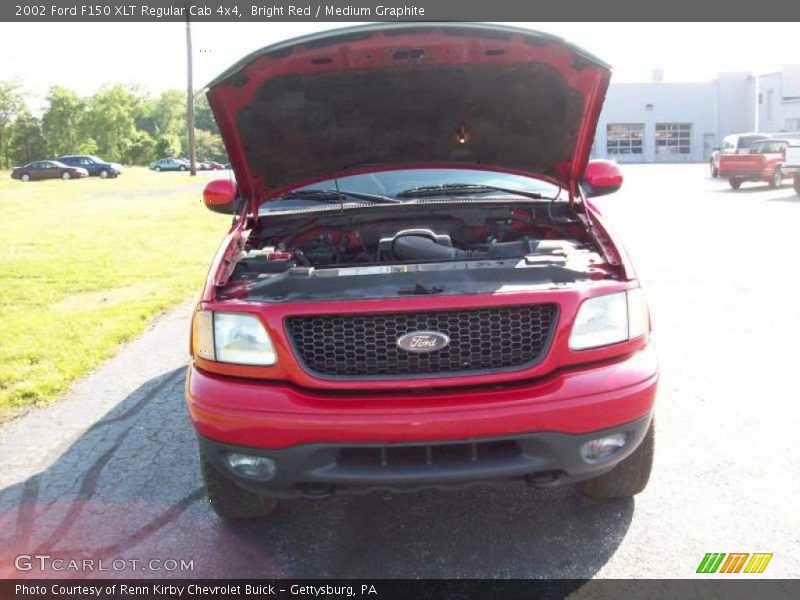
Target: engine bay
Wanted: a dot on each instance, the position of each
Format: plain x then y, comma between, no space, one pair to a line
412,250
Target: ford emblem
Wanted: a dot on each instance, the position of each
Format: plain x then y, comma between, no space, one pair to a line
423,341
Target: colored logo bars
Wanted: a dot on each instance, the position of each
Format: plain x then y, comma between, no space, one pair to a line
736,562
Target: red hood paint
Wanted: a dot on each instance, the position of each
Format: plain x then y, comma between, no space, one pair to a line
408,95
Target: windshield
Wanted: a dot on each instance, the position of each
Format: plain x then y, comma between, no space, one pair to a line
392,183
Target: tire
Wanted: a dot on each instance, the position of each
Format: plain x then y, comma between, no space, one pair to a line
629,477
25,177
65,176
714,170
735,183
230,501
797,183
776,180
156,168
181,168
104,174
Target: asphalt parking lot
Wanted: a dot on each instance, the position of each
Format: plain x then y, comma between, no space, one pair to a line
111,472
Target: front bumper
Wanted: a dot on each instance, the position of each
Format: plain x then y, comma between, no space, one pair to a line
306,431
320,470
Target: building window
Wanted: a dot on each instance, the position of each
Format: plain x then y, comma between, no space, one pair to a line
792,124
624,138
673,138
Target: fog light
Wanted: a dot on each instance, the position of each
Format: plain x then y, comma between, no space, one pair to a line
256,467
604,447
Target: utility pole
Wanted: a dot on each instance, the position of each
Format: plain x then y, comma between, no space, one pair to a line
190,96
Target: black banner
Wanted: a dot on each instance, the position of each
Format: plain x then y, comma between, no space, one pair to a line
393,10
218,589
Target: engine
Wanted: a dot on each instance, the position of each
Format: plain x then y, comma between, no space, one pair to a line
468,251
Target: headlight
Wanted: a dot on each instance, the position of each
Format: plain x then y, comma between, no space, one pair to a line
232,338
610,319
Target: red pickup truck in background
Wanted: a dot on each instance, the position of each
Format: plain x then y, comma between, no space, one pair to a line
762,163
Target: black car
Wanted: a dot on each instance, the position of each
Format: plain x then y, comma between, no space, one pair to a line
97,167
47,169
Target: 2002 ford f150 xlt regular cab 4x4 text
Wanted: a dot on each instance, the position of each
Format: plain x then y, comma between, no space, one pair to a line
416,290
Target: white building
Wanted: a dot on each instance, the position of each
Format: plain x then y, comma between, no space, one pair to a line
779,100
683,122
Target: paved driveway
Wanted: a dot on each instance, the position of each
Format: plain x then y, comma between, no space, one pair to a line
111,471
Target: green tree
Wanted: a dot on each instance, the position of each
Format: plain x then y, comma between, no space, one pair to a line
203,117
63,122
26,141
209,146
142,149
145,116
169,113
110,121
168,145
11,103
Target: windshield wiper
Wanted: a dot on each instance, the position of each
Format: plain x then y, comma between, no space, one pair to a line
452,189
332,196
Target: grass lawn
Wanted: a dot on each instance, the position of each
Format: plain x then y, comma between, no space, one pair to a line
84,265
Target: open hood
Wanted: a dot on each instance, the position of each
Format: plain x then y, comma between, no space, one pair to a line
408,95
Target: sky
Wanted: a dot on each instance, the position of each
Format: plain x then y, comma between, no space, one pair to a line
85,56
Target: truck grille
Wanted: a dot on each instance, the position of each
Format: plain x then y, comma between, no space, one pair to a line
365,345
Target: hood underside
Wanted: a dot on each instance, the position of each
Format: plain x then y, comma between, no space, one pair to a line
408,95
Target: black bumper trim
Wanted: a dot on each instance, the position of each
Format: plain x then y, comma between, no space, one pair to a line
316,470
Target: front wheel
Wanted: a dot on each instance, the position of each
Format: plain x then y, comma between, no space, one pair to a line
230,501
629,477
181,168
156,168
25,177
65,175
735,183
714,170
104,174
777,179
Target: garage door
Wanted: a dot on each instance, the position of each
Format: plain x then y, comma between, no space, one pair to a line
674,142
625,142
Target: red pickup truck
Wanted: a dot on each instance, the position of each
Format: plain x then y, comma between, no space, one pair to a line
416,291
762,163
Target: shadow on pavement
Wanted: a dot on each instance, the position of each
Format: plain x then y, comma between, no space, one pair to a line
793,198
754,189
129,489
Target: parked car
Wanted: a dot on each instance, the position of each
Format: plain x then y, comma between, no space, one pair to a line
213,165
791,165
454,314
96,167
170,164
763,162
47,169
737,143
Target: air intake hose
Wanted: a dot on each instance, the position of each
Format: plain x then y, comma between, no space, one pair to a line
418,247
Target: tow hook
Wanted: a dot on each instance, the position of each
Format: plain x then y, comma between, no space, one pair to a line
317,490
543,478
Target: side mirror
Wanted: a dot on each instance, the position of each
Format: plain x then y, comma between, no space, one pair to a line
220,196
602,177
